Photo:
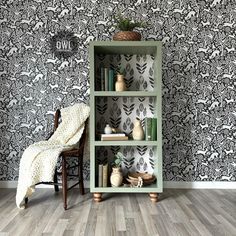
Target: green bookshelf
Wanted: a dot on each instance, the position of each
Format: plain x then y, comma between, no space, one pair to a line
117,48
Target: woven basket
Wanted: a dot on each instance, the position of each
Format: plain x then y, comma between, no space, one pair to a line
147,178
127,36
144,176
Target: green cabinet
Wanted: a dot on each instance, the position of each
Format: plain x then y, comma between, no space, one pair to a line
141,61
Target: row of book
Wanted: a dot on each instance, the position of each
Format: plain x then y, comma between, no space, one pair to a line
102,175
150,129
106,82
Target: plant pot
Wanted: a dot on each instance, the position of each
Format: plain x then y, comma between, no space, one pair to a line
116,177
127,36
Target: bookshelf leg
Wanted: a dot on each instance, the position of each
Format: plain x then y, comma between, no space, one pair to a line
153,197
97,197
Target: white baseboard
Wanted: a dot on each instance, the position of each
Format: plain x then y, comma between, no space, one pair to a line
8,184
200,185
13,184
167,184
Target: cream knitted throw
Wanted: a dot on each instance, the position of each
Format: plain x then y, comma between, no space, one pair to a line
39,160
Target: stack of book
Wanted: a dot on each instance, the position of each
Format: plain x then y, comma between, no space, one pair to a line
114,137
102,175
150,129
106,81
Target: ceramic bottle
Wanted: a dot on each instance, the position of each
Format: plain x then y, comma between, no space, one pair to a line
108,129
120,83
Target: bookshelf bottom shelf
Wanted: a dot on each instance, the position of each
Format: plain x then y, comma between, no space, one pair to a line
152,190
97,196
146,189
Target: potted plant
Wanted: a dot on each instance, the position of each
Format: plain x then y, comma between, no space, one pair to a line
116,175
126,27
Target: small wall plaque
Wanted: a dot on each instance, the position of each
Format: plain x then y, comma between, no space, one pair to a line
64,44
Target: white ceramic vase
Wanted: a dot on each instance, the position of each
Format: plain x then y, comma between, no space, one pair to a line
138,133
120,83
116,177
108,129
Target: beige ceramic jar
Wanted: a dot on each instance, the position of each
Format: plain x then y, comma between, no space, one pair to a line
120,83
116,177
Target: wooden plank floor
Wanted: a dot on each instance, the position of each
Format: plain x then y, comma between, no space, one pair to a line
179,212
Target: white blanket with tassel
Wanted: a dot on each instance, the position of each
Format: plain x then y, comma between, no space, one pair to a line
39,160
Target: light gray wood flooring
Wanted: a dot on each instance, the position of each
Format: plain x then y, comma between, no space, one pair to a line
178,212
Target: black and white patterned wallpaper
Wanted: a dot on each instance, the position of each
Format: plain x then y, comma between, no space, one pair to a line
199,77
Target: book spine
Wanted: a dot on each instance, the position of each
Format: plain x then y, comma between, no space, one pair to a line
148,127
100,175
111,80
98,80
121,138
105,175
102,80
113,135
154,129
106,75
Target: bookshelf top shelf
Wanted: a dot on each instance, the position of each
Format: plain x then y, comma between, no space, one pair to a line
126,47
125,94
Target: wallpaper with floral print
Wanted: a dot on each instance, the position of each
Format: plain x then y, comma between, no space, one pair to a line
199,77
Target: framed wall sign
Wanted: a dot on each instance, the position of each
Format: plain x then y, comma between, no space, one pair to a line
64,44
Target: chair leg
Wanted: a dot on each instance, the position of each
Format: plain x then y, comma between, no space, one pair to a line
81,178
26,200
56,188
64,182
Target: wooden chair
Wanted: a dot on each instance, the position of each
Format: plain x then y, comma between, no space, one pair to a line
66,155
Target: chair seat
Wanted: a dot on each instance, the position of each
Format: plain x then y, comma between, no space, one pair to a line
70,153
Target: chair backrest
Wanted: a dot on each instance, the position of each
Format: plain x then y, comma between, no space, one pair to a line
56,123
56,119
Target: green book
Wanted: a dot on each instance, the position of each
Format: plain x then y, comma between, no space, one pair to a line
106,75
102,79
111,80
98,80
154,129
148,128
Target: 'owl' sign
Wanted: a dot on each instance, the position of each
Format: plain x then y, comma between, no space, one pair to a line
64,44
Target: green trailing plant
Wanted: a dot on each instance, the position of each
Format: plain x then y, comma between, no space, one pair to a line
118,160
127,24
120,70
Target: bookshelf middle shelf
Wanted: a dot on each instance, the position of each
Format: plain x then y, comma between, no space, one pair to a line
125,94
126,143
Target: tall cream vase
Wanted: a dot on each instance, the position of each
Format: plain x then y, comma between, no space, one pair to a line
120,83
138,133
